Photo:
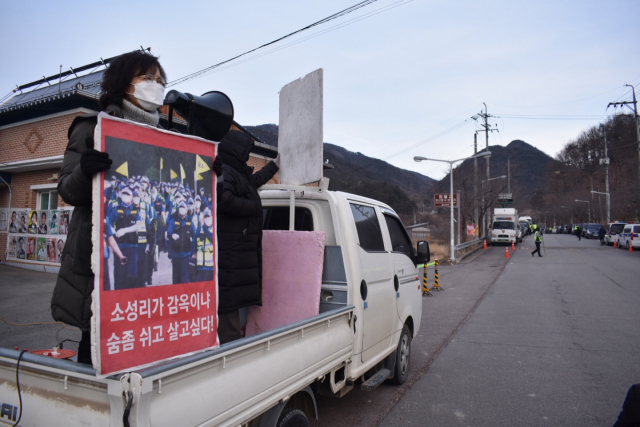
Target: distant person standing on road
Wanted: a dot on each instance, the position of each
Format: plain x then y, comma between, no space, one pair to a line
538,242
601,233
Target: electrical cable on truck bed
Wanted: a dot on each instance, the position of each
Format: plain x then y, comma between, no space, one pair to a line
38,323
18,386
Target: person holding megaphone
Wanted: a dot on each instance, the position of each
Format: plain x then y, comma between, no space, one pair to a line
133,89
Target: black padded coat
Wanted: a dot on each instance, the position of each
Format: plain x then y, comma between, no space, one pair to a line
71,300
239,218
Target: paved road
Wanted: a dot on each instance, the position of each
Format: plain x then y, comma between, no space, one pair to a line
526,341
554,342
26,305
443,314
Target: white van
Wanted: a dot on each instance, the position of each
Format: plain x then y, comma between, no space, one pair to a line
629,236
613,229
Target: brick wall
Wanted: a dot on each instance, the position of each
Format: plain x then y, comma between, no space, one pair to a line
43,138
258,162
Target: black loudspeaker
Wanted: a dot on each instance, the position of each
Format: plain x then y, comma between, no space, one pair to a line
209,116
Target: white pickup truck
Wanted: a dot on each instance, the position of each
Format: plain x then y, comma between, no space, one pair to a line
370,309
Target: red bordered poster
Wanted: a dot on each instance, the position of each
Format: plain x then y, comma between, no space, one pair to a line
154,247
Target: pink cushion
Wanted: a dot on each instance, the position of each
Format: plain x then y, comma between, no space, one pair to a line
291,279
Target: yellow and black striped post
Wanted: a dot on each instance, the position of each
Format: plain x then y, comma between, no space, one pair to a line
436,285
425,286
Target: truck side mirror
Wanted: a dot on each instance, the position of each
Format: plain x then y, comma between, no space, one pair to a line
424,255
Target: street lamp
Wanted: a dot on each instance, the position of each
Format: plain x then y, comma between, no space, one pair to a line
451,162
484,216
588,207
608,204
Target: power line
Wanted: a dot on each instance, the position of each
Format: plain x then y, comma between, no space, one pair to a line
548,117
311,36
430,139
320,22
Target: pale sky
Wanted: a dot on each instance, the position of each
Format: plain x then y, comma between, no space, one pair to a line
396,73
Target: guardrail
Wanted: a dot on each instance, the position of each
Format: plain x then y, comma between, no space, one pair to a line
471,243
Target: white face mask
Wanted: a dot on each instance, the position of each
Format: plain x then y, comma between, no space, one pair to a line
154,194
136,200
182,211
126,199
198,205
150,95
208,221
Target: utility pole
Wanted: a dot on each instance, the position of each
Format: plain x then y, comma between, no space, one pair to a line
637,122
509,174
606,171
459,226
487,128
475,183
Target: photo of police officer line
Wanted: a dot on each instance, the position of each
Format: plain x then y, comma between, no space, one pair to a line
158,216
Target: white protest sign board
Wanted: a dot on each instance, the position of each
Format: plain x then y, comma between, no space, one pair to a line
300,133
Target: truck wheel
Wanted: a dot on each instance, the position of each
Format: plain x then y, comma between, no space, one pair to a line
292,418
403,356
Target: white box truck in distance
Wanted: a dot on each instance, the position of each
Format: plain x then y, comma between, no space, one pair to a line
505,226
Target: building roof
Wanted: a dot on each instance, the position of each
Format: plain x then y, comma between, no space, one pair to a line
53,95
87,85
52,98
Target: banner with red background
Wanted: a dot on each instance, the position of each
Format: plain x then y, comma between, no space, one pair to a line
142,316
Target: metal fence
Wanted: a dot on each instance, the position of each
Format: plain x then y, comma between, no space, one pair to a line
468,244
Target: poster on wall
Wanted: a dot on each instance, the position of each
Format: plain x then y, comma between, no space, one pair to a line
33,222
42,246
59,248
20,225
12,246
4,220
43,225
31,248
53,221
63,222
22,251
155,300
41,252
52,257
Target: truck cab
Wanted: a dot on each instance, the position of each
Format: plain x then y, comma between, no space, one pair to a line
381,278
504,228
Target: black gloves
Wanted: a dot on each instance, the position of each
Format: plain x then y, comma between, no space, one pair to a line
93,161
217,166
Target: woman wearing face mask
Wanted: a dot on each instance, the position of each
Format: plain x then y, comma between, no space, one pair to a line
132,89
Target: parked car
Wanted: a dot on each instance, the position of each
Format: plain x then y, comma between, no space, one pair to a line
583,229
613,229
629,236
591,231
524,229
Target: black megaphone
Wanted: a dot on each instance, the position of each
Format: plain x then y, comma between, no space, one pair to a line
209,116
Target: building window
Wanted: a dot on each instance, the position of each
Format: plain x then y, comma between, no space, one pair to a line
47,199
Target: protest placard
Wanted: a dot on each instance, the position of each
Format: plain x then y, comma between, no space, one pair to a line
154,247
